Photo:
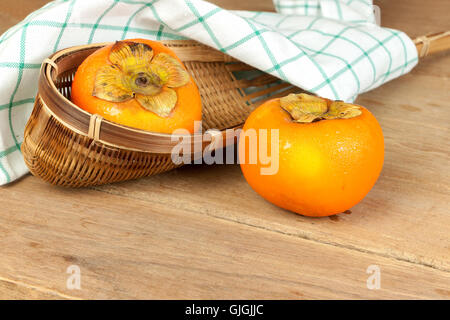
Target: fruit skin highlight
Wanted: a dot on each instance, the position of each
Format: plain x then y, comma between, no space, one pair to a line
325,167
130,112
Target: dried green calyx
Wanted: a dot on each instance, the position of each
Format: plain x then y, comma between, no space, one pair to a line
306,108
137,73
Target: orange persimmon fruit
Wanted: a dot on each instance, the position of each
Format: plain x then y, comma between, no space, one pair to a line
330,154
138,83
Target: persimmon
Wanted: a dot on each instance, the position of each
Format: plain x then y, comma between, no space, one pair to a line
138,83
330,154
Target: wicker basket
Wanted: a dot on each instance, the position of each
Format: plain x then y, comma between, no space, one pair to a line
67,146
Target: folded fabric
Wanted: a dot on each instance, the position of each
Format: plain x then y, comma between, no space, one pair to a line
329,47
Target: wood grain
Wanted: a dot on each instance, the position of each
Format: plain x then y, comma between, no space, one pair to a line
147,249
201,232
10,289
12,11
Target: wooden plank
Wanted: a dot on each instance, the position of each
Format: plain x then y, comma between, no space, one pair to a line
12,11
13,290
253,5
129,248
201,232
415,17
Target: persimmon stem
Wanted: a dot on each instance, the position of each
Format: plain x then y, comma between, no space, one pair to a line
305,108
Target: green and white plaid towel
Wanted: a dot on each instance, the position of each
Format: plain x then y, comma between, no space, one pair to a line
329,47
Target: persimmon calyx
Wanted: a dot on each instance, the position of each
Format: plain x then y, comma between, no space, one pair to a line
135,73
306,108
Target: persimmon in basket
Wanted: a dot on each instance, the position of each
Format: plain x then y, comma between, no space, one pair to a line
330,153
138,83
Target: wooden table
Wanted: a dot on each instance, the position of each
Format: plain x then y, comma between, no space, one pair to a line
201,232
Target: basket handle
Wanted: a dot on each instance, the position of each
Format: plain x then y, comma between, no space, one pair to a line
432,43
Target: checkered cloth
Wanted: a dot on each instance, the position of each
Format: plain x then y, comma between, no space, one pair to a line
329,47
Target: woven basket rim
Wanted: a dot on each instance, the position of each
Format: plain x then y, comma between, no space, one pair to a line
52,99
